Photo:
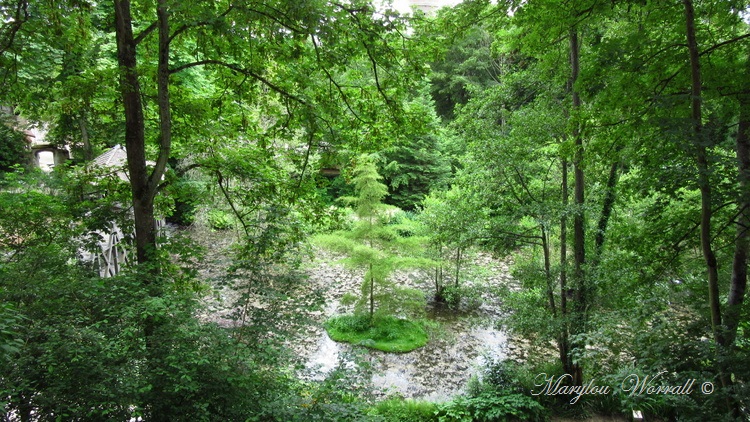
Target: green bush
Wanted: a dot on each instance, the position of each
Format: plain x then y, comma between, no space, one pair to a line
187,195
466,297
334,218
220,220
504,375
491,406
13,149
401,410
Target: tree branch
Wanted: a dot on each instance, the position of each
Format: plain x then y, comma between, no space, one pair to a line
185,27
723,43
162,82
664,82
145,33
22,6
336,84
243,71
220,179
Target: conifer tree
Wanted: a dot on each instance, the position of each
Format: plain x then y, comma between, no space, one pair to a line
370,192
374,245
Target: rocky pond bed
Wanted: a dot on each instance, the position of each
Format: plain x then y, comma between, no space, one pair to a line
458,346
460,342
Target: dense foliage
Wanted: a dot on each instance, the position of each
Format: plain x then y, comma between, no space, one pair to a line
13,148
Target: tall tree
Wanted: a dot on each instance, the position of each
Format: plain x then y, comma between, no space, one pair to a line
319,35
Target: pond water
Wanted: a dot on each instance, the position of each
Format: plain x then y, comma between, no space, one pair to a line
458,349
437,371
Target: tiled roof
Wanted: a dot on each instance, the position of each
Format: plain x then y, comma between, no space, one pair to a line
115,157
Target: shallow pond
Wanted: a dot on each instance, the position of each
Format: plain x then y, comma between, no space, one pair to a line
456,351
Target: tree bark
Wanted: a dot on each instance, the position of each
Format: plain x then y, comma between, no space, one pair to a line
563,343
579,251
700,142
738,283
130,89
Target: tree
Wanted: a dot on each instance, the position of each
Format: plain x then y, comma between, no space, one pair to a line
453,222
368,207
414,165
376,246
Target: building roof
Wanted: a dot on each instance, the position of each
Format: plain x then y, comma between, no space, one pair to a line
115,157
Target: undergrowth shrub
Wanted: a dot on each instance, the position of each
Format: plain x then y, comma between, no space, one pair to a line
405,410
500,394
219,220
465,297
491,406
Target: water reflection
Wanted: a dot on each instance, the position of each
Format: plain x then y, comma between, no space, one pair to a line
437,371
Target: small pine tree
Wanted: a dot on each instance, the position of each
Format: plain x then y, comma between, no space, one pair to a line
372,244
368,206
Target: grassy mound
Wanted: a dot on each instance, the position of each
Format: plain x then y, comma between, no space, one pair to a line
386,333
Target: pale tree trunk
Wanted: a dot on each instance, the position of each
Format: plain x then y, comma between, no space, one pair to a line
372,294
458,266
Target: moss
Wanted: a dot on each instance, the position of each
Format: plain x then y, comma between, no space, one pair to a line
385,333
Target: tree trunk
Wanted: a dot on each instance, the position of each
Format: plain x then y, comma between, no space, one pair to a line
579,252
372,294
143,205
703,174
88,152
563,343
548,273
607,206
458,265
704,184
144,185
738,283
